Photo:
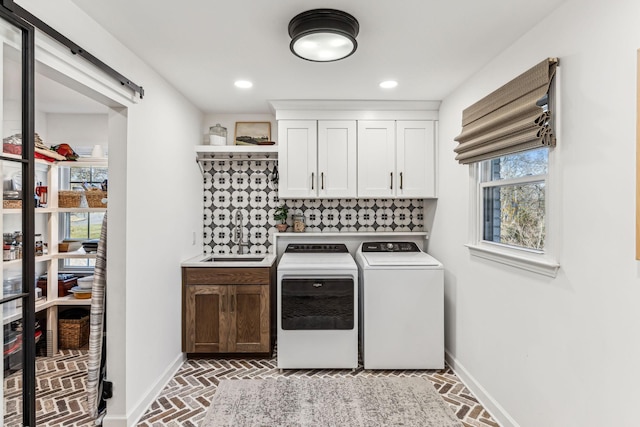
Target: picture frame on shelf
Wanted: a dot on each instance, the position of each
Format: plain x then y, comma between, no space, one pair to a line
253,133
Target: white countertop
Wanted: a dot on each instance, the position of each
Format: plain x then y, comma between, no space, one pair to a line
383,234
201,260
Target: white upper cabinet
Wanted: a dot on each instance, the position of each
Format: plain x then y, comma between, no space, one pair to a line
396,159
357,149
416,159
337,148
297,158
317,158
376,158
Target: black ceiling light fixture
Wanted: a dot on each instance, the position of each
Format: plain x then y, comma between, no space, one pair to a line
323,35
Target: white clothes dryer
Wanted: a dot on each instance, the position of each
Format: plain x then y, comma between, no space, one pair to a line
317,308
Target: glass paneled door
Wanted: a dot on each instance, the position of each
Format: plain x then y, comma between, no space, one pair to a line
17,298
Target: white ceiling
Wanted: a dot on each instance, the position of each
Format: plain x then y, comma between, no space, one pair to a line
202,46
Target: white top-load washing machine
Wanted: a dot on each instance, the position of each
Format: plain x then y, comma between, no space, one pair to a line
401,306
317,307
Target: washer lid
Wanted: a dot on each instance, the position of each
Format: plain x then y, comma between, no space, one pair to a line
400,259
330,261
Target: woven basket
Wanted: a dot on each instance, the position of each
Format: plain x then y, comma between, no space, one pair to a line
94,198
69,199
73,333
12,204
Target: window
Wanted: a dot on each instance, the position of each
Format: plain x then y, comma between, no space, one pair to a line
91,176
512,220
81,225
513,194
511,179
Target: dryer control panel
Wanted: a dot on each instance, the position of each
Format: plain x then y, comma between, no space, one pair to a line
390,247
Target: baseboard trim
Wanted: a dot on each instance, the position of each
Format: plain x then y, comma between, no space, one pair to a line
498,413
133,417
114,421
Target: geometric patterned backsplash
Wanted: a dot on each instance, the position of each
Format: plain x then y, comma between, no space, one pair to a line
246,186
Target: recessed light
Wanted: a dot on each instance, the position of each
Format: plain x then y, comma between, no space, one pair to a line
243,84
388,84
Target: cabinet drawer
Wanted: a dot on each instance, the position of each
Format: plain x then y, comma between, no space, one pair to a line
225,276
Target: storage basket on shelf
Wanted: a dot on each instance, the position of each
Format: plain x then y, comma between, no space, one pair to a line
12,199
69,199
94,198
73,332
12,204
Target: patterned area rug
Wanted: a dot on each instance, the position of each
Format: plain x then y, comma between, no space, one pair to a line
343,402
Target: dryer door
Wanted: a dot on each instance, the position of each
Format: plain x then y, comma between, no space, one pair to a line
318,303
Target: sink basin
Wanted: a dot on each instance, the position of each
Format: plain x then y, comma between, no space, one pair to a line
230,260
235,259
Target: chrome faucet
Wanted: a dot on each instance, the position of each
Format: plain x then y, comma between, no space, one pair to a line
238,232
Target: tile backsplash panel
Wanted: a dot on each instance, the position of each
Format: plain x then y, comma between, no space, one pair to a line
247,186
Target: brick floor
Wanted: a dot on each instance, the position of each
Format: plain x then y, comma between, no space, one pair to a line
61,399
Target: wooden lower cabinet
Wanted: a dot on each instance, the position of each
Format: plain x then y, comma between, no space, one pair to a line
227,317
205,318
249,320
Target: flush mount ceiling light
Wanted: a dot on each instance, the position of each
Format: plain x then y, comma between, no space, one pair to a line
323,35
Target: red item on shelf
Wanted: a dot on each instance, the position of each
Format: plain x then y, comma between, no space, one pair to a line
12,148
43,157
17,344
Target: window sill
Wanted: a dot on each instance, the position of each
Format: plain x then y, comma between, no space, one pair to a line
533,263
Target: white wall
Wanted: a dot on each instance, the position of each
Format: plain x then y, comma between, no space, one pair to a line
80,131
155,206
564,351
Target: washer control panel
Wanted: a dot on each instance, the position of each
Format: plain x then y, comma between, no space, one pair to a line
390,247
317,248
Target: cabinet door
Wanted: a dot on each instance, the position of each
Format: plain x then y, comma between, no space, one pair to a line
337,158
206,318
376,158
249,327
297,158
416,159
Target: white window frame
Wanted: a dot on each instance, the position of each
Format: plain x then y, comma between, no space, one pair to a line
541,262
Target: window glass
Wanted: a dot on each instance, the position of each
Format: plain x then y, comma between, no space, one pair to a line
85,225
92,176
518,165
513,191
77,264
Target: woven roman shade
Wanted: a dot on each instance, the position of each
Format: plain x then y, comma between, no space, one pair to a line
510,119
